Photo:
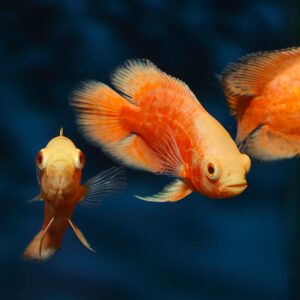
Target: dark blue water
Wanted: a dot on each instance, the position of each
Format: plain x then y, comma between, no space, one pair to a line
197,248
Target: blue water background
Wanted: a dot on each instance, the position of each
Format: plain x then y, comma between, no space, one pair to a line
197,248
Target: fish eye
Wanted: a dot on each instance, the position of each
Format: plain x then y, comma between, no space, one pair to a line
40,160
212,171
80,160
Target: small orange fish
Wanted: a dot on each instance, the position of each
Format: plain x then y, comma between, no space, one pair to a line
159,126
263,91
60,165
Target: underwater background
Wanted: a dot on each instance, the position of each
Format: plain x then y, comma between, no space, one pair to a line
246,247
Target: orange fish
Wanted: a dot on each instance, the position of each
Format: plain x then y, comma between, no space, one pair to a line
263,91
158,125
60,165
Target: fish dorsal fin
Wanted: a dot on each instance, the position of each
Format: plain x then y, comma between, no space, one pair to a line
43,235
137,77
80,236
172,192
61,131
246,78
105,183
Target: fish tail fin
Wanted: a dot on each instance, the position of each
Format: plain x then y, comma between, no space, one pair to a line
100,114
44,245
99,111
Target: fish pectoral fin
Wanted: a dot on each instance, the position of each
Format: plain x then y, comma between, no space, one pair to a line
172,192
36,198
80,236
43,235
266,144
105,183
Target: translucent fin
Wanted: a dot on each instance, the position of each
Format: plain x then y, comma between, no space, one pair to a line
36,198
172,192
265,144
245,79
107,182
133,151
38,176
137,77
98,110
169,154
43,235
80,236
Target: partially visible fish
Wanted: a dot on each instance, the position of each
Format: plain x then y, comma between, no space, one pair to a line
60,164
263,92
159,126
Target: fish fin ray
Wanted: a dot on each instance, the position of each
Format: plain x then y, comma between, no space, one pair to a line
175,191
43,235
105,183
245,79
80,236
169,154
137,77
98,110
266,144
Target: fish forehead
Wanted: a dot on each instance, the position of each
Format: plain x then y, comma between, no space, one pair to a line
61,143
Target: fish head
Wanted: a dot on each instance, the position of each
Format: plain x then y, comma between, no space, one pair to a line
60,164
224,175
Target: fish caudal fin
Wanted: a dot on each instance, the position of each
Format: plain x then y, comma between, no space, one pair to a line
100,117
172,192
266,144
43,246
246,79
137,77
99,109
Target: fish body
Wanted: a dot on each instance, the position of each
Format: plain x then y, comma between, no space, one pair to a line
263,91
60,166
159,126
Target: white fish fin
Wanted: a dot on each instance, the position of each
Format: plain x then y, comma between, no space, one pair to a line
172,192
43,235
133,151
80,236
266,144
36,198
107,182
137,77
37,173
169,154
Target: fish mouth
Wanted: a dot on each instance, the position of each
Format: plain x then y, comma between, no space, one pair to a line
234,188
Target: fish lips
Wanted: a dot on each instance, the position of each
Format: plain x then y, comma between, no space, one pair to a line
230,189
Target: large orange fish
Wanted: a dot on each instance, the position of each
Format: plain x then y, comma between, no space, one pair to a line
158,125
60,164
263,91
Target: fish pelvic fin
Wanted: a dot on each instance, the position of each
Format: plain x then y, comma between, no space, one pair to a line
80,236
173,192
137,78
245,79
267,145
105,183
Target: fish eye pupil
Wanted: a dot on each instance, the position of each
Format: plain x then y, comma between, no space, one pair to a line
211,169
